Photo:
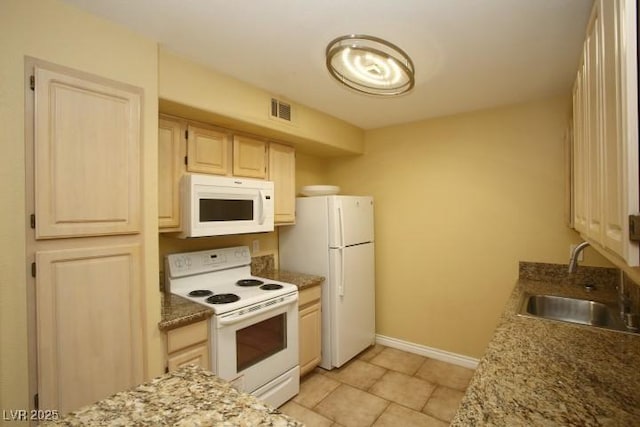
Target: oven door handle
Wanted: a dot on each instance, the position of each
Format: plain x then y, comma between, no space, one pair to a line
249,314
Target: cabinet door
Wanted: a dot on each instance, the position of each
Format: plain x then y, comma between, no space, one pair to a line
197,355
87,155
579,155
89,323
593,128
613,166
208,151
249,157
282,171
172,149
310,325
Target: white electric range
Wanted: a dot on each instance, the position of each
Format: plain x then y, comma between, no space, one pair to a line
254,328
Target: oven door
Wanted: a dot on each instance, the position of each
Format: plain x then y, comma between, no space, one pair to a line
255,345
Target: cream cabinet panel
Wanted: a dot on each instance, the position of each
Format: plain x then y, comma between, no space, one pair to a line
594,158
282,171
310,329
208,151
87,155
605,149
579,155
197,355
249,157
172,149
188,345
612,162
89,324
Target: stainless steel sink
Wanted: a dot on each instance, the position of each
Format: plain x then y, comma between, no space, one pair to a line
572,310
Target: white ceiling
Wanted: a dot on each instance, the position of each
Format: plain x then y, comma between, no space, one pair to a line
468,54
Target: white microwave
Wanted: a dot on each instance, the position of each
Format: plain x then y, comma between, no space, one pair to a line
216,205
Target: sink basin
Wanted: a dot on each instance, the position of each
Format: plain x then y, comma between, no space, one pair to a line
571,310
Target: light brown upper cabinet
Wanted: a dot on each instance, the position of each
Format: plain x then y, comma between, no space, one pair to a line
605,146
249,157
172,149
282,171
208,150
87,155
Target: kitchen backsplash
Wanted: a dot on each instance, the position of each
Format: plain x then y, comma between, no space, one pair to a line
559,273
262,263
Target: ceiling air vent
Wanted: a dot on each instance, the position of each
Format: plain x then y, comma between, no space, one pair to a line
280,110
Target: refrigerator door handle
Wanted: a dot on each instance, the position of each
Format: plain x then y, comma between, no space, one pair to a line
341,223
341,285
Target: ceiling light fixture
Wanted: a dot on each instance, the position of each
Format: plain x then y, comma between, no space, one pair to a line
370,65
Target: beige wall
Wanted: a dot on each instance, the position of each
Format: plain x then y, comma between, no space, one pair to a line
311,170
55,32
217,98
459,201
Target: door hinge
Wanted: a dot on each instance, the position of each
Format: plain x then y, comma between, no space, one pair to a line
186,160
32,82
32,220
186,134
634,228
36,402
33,269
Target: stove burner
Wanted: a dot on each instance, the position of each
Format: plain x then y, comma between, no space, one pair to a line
249,282
222,298
200,293
271,287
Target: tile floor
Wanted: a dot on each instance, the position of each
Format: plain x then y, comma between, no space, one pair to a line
382,386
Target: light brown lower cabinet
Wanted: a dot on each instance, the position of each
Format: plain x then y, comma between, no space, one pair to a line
188,345
310,328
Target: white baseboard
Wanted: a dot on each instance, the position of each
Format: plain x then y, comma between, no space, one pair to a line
433,353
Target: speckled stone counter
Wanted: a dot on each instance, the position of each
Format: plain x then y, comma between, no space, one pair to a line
178,311
264,266
538,372
187,397
301,280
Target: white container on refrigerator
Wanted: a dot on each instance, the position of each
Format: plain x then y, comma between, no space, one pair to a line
333,237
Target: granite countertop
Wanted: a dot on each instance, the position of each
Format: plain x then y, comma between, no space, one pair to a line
542,372
301,280
178,311
189,396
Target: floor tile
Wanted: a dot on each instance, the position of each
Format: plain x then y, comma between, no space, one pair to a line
371,352
396,415
351,407
398,360
403,389
304,415
445,374
313,388
357,373
443,403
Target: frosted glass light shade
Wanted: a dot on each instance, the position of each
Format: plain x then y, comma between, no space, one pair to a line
370,65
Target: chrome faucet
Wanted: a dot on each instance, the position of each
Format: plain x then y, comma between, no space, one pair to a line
573,261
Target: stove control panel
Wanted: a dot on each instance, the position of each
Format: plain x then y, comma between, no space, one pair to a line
189,263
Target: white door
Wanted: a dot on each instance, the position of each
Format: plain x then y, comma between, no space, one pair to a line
351,220
353,301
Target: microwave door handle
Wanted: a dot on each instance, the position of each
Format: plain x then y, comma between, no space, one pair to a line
263,214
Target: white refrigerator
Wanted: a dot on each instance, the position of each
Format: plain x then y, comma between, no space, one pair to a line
333,237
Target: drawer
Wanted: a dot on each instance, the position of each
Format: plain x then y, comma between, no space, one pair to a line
308,295
186,336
